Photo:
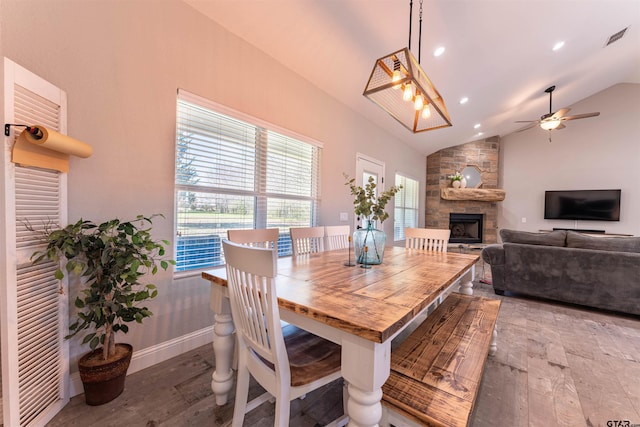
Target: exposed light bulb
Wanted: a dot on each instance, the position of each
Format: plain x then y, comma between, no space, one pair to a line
550,124
407,95
426,111
418,103
397,75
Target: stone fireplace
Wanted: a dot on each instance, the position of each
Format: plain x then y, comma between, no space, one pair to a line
484,154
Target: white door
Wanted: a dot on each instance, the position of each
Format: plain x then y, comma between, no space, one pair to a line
367,167
33,304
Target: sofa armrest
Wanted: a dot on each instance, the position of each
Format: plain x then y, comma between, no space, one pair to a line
494,256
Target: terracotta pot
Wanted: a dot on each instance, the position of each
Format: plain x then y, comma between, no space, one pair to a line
103,381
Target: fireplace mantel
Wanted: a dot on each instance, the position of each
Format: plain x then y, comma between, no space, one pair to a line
477,194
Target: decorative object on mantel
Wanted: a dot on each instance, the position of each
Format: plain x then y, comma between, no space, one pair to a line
400,87
458,180
369,242
477,194
472,175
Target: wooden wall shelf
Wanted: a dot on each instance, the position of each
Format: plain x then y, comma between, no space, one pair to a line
477,194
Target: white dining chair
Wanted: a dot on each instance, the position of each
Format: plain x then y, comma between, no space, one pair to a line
430,239
306,240
256,237
337,236
287,362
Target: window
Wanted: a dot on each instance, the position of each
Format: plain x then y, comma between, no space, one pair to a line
406,206
234,171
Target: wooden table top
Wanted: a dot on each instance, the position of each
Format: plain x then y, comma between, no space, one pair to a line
371,303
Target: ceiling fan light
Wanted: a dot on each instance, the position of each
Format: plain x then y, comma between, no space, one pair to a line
550,124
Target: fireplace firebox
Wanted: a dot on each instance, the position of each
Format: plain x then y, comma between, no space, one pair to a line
465,228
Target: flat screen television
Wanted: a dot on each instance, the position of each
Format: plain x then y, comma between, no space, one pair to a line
587,205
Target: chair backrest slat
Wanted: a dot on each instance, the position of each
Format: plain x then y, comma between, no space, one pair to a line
251,278
256,237
429,239
307,240
337,236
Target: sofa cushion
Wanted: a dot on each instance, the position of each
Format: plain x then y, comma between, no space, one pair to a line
617,244
553,238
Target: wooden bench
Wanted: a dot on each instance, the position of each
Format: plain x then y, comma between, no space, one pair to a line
436,371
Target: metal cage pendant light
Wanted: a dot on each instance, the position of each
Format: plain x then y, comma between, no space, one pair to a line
400,87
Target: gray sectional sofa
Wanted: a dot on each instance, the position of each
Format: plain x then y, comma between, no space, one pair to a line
601,272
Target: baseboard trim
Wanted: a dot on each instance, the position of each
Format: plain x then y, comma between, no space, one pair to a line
155,354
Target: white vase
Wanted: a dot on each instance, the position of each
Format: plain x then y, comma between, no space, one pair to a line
463,183
455,184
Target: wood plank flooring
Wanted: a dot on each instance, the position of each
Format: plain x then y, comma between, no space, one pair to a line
556,365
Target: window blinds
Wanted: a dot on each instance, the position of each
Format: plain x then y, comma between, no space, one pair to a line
233,171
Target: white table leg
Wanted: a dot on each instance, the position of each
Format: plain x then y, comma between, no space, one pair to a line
223,345
364,407
365,367
466,282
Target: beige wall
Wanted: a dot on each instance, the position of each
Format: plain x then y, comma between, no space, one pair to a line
594,153
120,63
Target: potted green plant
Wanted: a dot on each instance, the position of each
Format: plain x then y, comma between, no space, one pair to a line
369,242
110,259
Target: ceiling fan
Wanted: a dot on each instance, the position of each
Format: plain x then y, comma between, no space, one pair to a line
553,121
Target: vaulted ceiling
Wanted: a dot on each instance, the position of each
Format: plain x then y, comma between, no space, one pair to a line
498,53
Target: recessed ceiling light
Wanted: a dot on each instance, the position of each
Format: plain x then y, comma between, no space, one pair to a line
439,51
464,100
479,133
558,46
476,126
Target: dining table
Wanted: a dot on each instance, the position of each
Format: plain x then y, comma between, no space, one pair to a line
361,309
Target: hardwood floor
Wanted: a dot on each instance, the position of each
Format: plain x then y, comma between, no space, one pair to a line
556,365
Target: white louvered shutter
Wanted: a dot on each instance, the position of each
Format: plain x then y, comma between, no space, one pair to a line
34,321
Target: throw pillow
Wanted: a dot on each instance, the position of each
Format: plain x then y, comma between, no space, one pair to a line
553,238
618,244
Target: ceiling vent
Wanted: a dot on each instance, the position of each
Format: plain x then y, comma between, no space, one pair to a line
617,36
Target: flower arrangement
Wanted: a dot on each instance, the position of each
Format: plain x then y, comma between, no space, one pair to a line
366,203
369,242
455,177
